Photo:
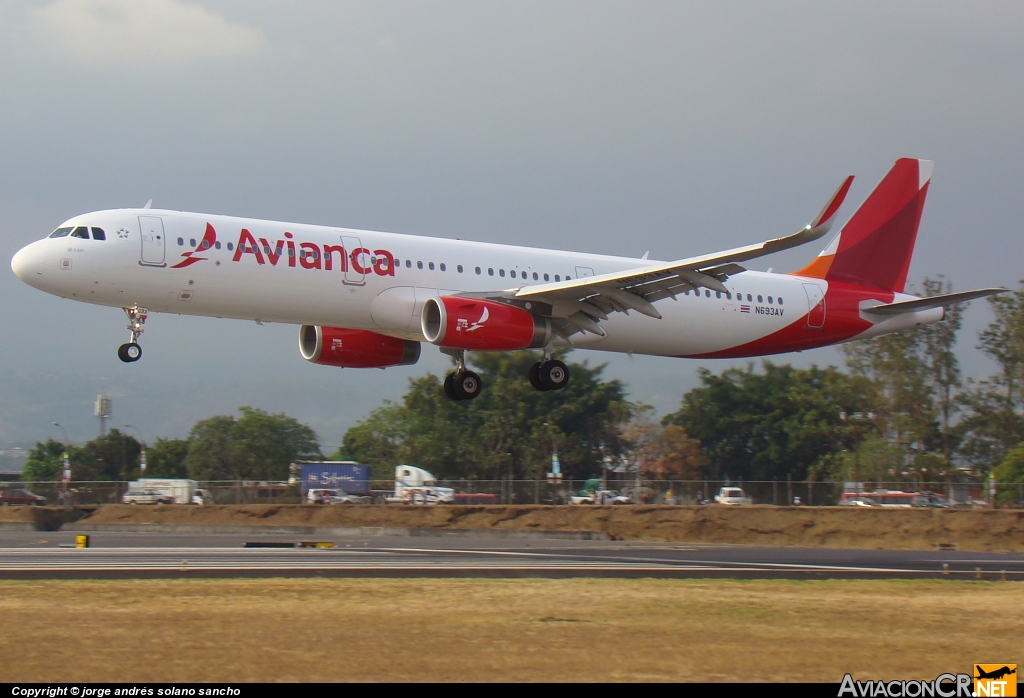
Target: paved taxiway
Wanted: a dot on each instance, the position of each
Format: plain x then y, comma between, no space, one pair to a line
38,555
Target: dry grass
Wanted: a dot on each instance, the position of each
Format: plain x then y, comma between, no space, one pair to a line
484,630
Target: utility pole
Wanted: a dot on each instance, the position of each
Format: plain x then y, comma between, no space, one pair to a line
142,456
66,474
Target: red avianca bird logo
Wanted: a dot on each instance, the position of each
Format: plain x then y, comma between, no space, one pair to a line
209,238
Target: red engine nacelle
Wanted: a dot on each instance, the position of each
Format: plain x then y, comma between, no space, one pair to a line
334,346
479,325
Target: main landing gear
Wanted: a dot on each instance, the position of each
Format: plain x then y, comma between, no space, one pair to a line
132,352
550,374
463,384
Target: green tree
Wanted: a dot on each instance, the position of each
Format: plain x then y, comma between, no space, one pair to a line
45,462
1010,470
780,422
995,421
257,446
511,429
108,458
166,458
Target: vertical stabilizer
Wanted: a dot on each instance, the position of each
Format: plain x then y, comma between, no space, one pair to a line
874,248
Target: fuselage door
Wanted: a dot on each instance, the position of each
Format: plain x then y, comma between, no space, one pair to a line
153,240
815,306
358,260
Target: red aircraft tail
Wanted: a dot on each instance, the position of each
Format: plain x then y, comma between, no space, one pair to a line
875,246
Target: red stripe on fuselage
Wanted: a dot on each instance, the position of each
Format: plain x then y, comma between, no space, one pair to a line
842,322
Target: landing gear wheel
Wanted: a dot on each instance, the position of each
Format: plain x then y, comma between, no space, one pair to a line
554,375
466,385
535,377
449,387
129,352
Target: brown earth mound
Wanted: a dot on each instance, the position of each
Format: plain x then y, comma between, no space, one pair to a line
43,518
834,527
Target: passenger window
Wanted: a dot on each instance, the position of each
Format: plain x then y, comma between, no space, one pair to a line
490,272
545,277
231,246
206,244
217,245
556,278
419,265
759,298
749,298
568,278
534,276
718,294
707,294
431,265
191,242
408,264
98,234
60,232
291,250
780,300
459,268
769,299
728,296
181,242
478,271
501,272
81,232
443,267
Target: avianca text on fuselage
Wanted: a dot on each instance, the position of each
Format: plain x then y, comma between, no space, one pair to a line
309,255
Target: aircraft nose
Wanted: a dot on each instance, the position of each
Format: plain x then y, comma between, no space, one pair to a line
26,263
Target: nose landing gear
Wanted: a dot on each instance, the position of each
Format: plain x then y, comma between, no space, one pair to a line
463,384
132,352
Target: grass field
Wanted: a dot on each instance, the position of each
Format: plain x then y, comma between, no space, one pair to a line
487,630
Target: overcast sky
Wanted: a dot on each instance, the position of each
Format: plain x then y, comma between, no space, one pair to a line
608,127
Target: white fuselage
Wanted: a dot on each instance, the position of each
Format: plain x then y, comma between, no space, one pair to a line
278,272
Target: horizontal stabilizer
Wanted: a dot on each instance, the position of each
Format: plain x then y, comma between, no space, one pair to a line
931,302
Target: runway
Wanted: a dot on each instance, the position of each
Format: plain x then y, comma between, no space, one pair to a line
34,555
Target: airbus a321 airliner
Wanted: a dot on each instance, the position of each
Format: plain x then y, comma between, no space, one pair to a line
368,299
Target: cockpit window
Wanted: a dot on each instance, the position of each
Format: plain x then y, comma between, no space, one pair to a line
60,232
98,234
81,232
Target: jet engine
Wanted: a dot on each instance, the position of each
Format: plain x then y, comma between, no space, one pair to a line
333,346
481,325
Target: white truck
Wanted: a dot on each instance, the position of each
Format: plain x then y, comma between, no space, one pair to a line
182,491
416,486
734,496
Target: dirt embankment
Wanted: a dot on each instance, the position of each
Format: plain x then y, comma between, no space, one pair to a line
43,518
834,527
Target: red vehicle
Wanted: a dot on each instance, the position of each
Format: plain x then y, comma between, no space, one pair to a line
19,495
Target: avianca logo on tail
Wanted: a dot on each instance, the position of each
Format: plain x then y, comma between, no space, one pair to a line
309,255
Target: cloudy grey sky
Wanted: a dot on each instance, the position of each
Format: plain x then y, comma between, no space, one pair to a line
614,127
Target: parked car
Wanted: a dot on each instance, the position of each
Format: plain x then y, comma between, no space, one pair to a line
336,497
859,502
19,495
146,497
733,496
600,497
343,497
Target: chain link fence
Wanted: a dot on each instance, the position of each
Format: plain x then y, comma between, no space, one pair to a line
678,492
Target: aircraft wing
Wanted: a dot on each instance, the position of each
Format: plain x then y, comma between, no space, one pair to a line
583,302
942,301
